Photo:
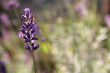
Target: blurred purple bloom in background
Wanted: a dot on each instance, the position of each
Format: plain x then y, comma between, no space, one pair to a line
107,20
8,4
2,67
4,18
29,30
81,9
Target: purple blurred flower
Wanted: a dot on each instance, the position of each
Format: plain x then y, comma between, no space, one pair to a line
4,18
2,67
81,9
107,20
29,30
8,4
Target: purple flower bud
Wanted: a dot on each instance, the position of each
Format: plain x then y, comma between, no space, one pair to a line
28,47
20,35
35,46
27,10
29,30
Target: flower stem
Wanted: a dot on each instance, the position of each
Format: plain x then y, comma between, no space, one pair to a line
34,62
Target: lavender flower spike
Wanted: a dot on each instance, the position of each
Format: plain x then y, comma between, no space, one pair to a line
29,30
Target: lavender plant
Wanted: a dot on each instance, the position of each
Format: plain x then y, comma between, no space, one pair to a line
29,31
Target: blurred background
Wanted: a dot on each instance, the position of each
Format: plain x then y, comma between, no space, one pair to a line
75,36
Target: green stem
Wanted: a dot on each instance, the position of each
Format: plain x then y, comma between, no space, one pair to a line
34,62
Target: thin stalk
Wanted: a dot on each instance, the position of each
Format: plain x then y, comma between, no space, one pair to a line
34,62
18,19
